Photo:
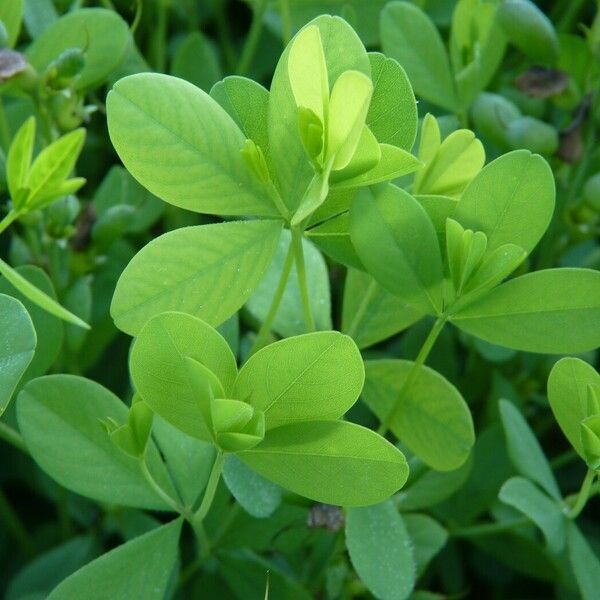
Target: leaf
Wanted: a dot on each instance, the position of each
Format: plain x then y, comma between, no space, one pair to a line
330,461
197,61
159,368
389,222
38,297
392,115
141,567
527,498
11,14
434,421
289,320
70,409
584,562
18,160
569,386
189,157
380,550
427,538
208,271
258,496
554,311
371,314
302,378
17,346
525,451
409,36
102,33
511,200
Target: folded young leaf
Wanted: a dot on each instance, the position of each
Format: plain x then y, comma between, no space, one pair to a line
17,346
149,559
434,421
568,393
189,157
396,241
555,311
511,200
365,158
380,550
162,376
71,409
303,378
18,159
547,514
330,461
208,271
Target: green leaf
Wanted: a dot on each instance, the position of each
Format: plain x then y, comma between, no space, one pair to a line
197,61
11,14
189,157
159,368
525,451
570,383
380,550
554,311
38,297
141,567
371,314
388,222
102,33
18,160
409,36
289,320
527,498
208,271
392,115
511,200
259,497
434,421
70,409
584,562
427,538
17,346
330,461
302,378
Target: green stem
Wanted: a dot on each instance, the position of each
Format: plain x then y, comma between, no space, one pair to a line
412,374
15,526
160,492
13,437
563,459
583,495
362,309
286,22
159,45
224,34
12,216
489,528
302,279
265,328
253,37
4,130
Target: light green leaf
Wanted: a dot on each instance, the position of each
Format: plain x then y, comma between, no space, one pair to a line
330,461
409,36
18,160
11,14
380,550
365,158
17,346
259,497
427,538
159,369
290,315
70,409
525,451
527,498
555,311
396,241
102,33
392,115
307,377
434,421
38,297
511,200
584,562
141,568
568,392
197,60
370,314
208,271
189,157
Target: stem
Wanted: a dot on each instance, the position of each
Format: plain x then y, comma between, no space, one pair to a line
160,492
224,34
286,22
302,280
160,37
15,526
13,437
583,495
412,374
489,528
4,130
253,38
563,459
211,488
265,328
13,215
362,309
